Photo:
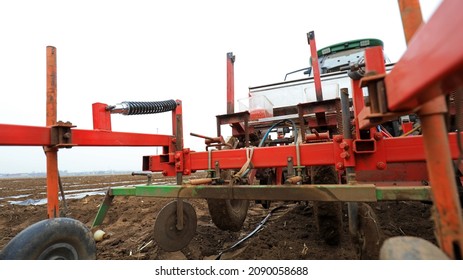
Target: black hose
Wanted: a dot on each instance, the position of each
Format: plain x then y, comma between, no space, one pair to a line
259,226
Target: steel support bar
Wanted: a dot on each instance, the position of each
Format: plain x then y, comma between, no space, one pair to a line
103,209
434,57
389,150
401,193
230,83
315,65
347,192
52,152
410,12
254,192
82,137
449,220
22,135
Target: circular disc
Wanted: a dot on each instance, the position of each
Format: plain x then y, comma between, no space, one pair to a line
166,233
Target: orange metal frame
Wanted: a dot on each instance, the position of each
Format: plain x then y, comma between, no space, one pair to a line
407,88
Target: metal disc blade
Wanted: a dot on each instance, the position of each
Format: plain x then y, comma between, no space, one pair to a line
166,233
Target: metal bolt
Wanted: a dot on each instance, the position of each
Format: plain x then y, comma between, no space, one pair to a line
344,146
345,155
338,138
381,165
378,136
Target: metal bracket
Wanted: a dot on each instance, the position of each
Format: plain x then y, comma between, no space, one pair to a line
61,135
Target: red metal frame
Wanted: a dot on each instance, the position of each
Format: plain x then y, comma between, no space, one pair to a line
434,58
52,152
432,65
230,83
315,65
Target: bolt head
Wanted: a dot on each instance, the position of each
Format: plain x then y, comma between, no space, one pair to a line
344,146
345,155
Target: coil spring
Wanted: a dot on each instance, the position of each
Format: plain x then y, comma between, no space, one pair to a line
149,107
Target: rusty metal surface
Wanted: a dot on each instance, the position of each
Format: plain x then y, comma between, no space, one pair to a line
230,83
52,152
449,222
365,192
347,193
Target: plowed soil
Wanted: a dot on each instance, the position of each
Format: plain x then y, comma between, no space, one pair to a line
289,233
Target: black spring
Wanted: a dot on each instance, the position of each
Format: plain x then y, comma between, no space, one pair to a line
149,107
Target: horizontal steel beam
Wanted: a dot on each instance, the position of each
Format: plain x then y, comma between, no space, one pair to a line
23,135
347,193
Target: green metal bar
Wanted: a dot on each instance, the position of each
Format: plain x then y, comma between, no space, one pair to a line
338,192
422,193
125,191
255,192
103,209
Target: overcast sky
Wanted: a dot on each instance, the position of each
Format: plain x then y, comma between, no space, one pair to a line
114,51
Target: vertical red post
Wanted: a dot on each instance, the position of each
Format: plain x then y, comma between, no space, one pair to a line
52,152
358,102
448,219
410,11
230,83
315,65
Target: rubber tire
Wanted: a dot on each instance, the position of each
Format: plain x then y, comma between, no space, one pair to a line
228,214
410,248
52,239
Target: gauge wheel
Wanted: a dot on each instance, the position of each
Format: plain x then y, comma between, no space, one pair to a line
228,214
52,239
328,215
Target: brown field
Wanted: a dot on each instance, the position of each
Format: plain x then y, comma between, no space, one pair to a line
290,233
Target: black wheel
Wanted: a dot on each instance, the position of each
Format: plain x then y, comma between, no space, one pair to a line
228,214
166,233
52,239
328,215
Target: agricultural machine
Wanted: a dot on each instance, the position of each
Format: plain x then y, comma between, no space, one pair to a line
358,129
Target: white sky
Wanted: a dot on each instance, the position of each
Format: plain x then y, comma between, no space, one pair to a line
114,51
